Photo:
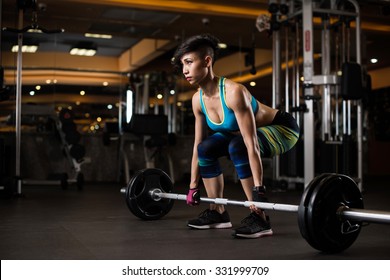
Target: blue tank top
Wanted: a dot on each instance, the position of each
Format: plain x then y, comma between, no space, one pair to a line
229,121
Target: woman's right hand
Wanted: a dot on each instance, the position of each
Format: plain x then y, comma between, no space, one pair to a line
193,197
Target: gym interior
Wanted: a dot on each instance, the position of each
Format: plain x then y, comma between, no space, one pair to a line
89,99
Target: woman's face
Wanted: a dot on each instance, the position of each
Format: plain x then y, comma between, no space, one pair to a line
194,67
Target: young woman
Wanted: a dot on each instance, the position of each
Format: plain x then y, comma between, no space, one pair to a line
244,129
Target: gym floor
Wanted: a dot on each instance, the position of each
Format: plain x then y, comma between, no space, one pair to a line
95,223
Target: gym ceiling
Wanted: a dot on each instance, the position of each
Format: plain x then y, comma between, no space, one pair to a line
144,36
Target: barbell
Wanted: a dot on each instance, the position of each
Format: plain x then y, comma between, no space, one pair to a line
330,214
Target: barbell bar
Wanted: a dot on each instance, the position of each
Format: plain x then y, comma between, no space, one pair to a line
330,213
343,212
157,194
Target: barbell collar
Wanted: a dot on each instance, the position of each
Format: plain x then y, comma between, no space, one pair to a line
156,194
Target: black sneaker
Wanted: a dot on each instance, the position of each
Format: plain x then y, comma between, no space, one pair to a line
254,226
211,219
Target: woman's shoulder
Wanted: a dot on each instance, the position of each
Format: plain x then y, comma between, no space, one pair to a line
233,86
234,90
196,94
195,99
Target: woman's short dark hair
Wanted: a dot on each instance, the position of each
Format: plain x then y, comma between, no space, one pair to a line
205,43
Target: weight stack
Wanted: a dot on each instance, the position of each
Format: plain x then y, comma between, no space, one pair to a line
337,157
348,156
327,157
351,81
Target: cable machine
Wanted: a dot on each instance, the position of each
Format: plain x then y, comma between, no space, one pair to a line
313,45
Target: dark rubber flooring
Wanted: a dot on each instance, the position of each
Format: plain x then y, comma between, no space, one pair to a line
50,223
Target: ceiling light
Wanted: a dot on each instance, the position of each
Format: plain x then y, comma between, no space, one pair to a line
34,30
100,36
374,60
222,45
82,52
84,49
25,48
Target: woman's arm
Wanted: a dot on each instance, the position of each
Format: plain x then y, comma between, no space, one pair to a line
200,132
238,99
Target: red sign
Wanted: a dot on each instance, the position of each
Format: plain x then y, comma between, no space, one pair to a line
307,40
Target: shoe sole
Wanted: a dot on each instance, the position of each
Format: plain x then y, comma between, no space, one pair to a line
263,233
212,226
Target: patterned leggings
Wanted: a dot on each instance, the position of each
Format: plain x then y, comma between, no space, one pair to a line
275,139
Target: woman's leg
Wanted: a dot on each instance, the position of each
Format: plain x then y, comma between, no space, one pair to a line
239,155
209,151
214,188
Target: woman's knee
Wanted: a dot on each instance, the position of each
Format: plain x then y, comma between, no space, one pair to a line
205,149
237,148
239,155
208,160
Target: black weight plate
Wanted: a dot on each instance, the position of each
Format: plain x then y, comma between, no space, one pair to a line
138,198
324,227
302,209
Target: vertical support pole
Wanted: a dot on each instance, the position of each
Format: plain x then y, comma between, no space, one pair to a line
166,102
145,97
325,65
18,112
174,113
156,108
286,79
293,74
307,11
138,100
120,111
297,83
359,102
276,69
276,87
